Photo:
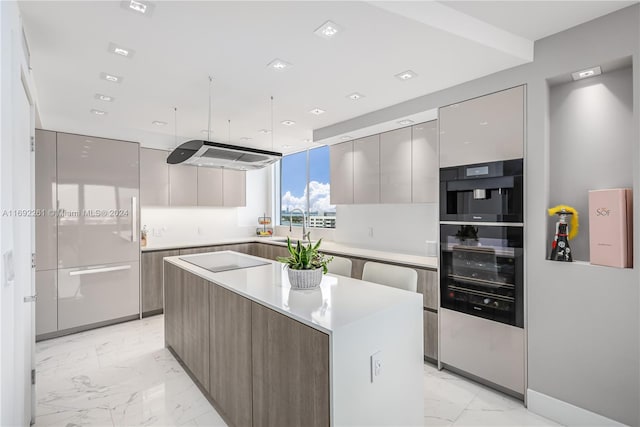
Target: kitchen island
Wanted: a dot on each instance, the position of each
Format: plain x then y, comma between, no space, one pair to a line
267,355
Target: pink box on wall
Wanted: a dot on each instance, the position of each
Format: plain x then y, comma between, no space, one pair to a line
611,227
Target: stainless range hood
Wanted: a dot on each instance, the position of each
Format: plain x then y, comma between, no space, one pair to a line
217,155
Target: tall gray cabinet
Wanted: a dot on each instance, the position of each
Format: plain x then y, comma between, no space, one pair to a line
87,243
46,233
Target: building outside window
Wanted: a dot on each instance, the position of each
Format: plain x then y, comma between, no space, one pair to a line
305,186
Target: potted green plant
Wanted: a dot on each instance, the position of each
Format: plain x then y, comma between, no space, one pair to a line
305,264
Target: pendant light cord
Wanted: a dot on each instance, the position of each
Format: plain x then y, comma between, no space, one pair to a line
209,122
175,126
272,123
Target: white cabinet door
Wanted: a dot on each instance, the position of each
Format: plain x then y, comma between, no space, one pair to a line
424,169
366,170
209,186
183,185
484,129
154,178
341,173
47,302
395,166
234,188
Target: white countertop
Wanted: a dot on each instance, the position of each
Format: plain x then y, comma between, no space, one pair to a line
336,303
327,247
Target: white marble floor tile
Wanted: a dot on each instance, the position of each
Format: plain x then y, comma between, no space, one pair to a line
122,375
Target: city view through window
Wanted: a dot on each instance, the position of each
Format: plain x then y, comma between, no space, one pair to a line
305,186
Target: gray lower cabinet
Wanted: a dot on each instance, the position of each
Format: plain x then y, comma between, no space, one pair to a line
151,285
290,371
230,382
173,322
430,335
428,287
47,302
88,296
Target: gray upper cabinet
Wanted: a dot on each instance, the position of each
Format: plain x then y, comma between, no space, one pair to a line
341,173
366,170
484,129
209,186
234,188
183,185
154,178
424,163
46,201
395,166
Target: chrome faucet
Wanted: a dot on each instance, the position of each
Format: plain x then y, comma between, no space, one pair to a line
305,235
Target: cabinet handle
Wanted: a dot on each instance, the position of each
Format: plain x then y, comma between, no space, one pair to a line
99,270
134,219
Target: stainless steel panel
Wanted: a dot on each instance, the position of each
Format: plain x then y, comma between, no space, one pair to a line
154,177
98,293
183,185
46,198
395,166
234,188
489,350
97,181
209,187
424,163
47,302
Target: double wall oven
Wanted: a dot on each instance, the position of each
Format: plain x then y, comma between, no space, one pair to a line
481,271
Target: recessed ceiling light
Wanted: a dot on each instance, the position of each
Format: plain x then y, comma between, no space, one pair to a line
98,112
355,96
205,132
159,123
141,7
264,131
328,30
279,65
406,75
102,97
119,50
589,72
288,122
483,123
405,122
306,141
345,138
111,78
245,138
285,146
317,111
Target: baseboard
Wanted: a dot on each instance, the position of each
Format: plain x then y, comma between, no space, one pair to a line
565,413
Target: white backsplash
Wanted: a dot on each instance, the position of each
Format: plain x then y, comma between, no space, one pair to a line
168,225
401,228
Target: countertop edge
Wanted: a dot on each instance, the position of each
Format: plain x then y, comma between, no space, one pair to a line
371,254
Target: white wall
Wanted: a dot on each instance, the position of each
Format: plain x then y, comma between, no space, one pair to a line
194,224
393,228
16,234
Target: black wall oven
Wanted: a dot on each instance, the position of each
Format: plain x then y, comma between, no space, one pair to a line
481,271
484,192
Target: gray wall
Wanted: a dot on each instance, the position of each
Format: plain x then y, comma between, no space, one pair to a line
582,320
591,144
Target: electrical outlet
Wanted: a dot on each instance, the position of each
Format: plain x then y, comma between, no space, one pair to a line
376,365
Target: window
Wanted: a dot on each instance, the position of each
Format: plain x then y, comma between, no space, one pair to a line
304,186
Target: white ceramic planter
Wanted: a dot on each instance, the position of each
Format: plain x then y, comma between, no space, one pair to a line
305,279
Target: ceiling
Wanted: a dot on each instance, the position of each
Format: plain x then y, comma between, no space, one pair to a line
181,43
